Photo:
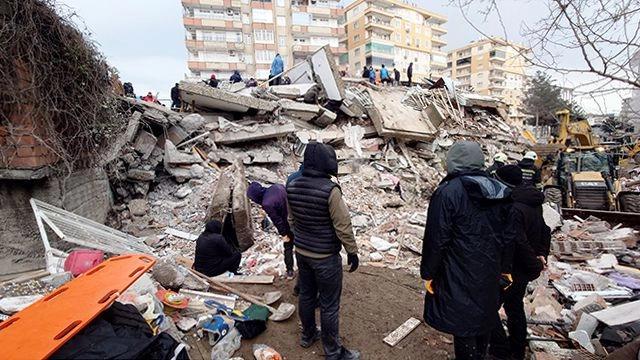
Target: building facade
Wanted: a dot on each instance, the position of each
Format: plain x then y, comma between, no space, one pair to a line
394,33
491,67
227,35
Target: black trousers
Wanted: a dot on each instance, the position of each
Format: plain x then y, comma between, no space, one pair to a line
231,263
321,277
513,346
471,348
288,254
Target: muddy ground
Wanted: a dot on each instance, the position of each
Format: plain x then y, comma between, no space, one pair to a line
375,301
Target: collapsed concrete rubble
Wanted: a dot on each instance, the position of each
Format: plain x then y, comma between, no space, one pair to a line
173,171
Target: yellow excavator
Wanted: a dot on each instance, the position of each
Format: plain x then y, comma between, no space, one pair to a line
585,180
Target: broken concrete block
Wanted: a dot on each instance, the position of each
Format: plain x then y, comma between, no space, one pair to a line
192,122
241,209
133,126
172,156
326,118
204,96
57,280
183,192
263,157
299,110
221,199
262,131
156,116
286,91
196,171
375,256
551,217
176,134
141,175
166,272
263,175
145,142
380,244
138,207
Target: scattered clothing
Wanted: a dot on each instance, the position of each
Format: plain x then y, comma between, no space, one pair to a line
214,254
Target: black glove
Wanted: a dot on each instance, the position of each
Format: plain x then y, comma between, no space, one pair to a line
352,259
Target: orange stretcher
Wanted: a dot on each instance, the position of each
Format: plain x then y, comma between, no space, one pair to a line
42,328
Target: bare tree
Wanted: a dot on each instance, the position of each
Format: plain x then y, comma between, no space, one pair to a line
604,34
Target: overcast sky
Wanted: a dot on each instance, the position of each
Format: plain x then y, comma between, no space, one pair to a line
144,39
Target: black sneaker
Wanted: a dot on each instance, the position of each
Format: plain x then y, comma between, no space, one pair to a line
349,354
306,343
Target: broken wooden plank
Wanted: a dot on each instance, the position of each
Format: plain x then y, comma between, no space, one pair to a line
229,301
402,331
246,279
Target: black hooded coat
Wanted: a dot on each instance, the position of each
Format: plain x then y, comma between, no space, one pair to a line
212,249
532,235
467,245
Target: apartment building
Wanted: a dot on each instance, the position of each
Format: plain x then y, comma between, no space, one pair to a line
227,35
394,33
491,67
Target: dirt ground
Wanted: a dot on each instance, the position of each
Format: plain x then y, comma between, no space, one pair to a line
375,301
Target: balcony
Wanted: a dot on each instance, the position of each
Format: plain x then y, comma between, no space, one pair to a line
215,66
213,45
379,10
211,4
496,75
300,49
438,40
193,23
318,30
438,29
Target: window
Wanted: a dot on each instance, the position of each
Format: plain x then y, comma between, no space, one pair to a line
263,36
356,24
217,36
264,56
417,43
480,47
282,21
356,38
280,3
357,64
262,15
282,41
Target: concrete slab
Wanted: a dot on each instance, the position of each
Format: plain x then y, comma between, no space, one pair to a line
326,118
204,96
300,110
172,156
133,126
141,175
263,157
145,142
262,131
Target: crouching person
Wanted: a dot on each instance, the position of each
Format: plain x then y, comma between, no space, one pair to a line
214,254
322,226
463,251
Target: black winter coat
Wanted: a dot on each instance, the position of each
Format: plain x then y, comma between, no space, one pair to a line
211,250
532,235
467,245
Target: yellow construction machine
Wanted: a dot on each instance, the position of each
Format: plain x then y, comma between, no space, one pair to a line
570,133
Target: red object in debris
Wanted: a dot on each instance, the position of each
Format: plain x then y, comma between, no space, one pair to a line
82,260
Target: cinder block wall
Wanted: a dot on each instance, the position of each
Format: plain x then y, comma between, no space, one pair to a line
87,194
21,146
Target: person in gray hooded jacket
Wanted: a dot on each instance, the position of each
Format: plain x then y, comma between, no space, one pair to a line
467,251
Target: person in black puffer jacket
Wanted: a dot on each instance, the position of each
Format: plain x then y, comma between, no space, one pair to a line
214,255
532,242
321,227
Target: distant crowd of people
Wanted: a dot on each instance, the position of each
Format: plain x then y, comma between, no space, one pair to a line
382,76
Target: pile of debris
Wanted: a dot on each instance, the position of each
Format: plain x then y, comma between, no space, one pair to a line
585,305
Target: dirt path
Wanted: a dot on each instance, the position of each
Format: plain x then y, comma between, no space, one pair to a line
374,302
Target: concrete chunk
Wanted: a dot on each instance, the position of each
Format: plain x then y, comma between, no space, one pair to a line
173,156
326,118
300,110
145,142
263,157
262,131
204,96
133,126
155,116
176,134
141,175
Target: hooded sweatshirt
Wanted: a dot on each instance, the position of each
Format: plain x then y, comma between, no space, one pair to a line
467,245
274,202
319,164
212,248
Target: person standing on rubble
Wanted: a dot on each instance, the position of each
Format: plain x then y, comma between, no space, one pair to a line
530,172
372,75
531,247
365,72
322,226
384,75
410,73
277,67
213,82
396,74
175,97
273,201
214,254
499,160
235,77
466,251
